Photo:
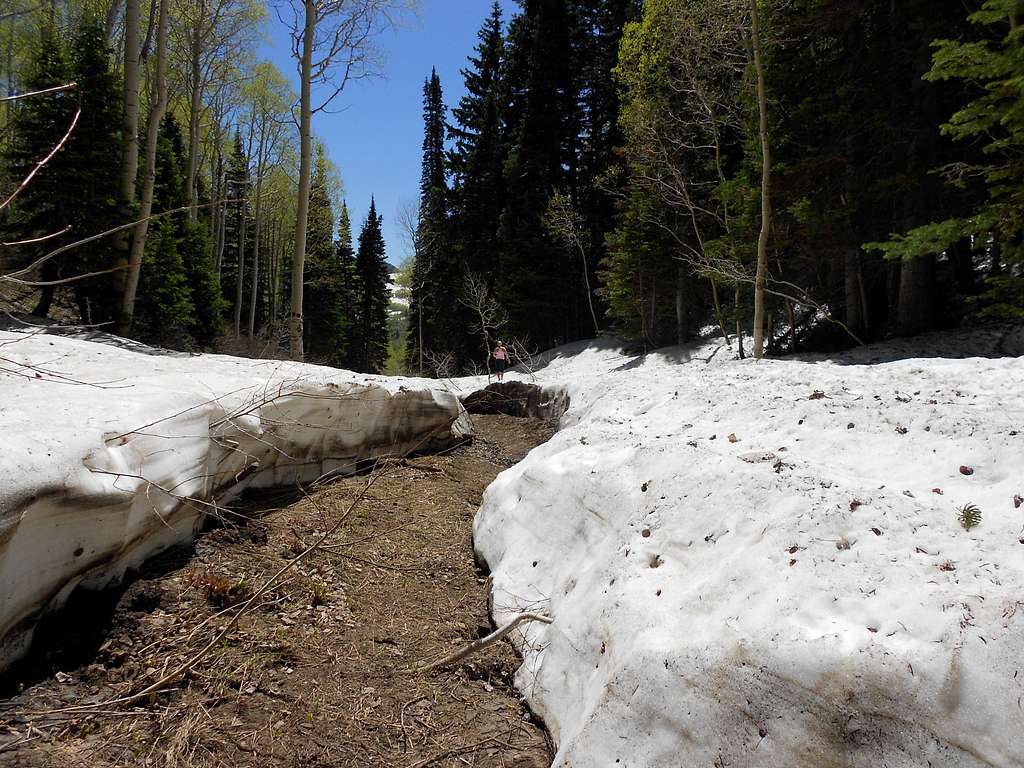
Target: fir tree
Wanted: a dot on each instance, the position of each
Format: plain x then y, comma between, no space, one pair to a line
324,315
236,210
994,121
370,341
435,323
535,283
349,286
179,304
78,188
477,158
91,189
163,310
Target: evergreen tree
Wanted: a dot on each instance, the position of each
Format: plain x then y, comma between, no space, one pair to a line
179,304
436,323
477,158
857,141
324,316
603,23
236,210
993,120
370,340
164,311
349,286
77,189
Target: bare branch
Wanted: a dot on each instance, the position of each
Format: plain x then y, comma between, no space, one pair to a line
25,182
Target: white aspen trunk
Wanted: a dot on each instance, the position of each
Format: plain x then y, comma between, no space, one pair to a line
129,137
766,169
305,163
156,115
110,23
195,105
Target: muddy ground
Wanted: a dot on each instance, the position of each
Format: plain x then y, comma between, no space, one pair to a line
320,671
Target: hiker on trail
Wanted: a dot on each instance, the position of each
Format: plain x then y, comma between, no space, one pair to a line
500,355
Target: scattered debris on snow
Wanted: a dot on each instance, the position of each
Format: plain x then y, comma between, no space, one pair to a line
715,605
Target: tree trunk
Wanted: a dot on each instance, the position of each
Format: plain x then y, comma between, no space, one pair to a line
914,313
851,284
718,311
129,140
240,277
739,325
110,23
766,170
195,105
156,116
260,163
305,164
680,307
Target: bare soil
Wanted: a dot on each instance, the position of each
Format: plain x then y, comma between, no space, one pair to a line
321,671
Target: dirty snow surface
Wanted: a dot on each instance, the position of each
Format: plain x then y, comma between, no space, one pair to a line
761,564
113,451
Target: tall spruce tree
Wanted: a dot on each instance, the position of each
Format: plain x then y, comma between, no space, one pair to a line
477,159
324,326
601,185
349,290
436,323
989,229
164,312
236,212
370,340
857,142
535,281
77,189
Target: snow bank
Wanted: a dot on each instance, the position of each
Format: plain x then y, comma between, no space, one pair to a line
760,563
110,456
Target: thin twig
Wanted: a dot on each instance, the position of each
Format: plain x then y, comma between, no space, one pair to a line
478,645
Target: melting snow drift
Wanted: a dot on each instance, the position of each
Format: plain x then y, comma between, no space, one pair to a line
760,563
110,456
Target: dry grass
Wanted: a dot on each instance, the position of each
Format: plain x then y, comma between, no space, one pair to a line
319,672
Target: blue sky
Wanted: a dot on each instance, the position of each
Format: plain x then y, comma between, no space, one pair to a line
375,139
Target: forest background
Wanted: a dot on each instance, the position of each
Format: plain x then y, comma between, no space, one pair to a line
799,174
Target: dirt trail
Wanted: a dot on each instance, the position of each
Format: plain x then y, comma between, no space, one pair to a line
317,674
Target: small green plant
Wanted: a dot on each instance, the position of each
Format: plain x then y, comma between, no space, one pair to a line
320,594
969,516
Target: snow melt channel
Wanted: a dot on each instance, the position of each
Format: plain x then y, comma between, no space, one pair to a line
111,456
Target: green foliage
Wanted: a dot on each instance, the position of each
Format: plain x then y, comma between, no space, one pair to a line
165,313
369,345
969,516
209,306
237,209
78,188
994,120
325,313
164,309
478,156
438,270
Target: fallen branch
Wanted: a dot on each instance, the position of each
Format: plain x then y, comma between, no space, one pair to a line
454,752
244,608
485,642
